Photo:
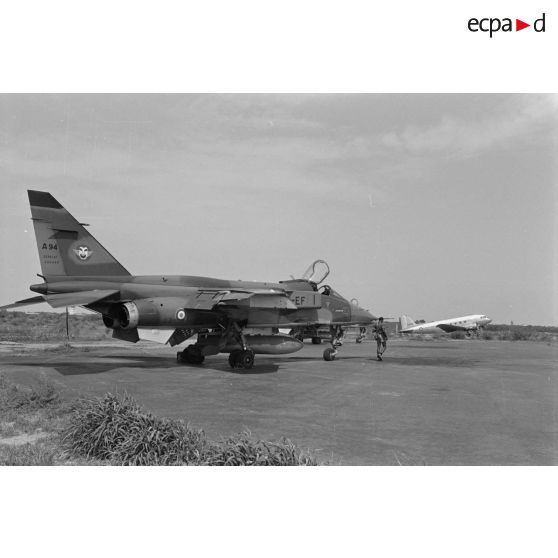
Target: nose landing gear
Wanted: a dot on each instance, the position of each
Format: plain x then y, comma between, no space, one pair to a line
336,341
329,354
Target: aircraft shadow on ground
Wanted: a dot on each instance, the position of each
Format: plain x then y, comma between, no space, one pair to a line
101,364
262,366
78,367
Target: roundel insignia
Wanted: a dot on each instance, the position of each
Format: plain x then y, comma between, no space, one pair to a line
180,314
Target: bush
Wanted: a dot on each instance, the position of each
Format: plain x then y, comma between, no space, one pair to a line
457,335
115,428
50,327
14,397
521,332
243,450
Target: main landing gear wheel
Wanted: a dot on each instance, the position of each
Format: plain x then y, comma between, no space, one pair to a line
190,355
329,354
242,359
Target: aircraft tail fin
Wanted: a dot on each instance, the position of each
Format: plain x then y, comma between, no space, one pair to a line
65,246
406,322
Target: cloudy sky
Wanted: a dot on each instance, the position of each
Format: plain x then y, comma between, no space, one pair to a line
430,205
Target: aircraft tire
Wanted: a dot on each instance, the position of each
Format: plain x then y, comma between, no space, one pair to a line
194,355
316,340
246,359
329,354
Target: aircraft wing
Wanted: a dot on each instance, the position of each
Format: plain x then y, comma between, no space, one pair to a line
65,299
253,298
25,302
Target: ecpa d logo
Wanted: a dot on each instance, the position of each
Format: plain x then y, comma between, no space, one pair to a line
493,25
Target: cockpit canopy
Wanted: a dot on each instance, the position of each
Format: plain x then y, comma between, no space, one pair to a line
313,276
316,272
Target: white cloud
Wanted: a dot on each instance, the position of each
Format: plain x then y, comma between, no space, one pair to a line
520,117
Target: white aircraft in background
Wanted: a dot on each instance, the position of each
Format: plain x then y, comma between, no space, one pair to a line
468,324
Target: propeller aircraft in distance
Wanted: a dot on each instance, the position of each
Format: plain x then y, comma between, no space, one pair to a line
241,318
469,324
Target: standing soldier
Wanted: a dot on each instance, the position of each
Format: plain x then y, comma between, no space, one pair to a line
380,336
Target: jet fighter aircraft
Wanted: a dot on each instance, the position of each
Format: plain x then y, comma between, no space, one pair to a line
241,318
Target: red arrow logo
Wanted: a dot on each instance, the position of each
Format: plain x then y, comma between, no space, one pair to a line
519,25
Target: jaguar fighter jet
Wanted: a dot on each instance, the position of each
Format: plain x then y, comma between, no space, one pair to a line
241,318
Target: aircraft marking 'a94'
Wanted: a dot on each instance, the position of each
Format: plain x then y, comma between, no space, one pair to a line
242,318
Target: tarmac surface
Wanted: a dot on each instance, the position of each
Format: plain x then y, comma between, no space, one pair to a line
437,402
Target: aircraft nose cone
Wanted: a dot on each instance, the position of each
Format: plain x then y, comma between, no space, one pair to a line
362,316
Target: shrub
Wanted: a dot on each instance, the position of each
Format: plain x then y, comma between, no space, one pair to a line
115,428
457,335
242,449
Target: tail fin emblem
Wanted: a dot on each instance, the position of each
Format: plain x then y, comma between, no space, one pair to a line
83,253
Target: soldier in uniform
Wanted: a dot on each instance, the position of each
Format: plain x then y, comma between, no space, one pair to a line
380,336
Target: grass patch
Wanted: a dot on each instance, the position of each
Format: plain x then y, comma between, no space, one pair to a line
116,428
17,398
243,449
30,412
43,452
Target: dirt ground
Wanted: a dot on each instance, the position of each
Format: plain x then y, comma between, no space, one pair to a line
437,402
